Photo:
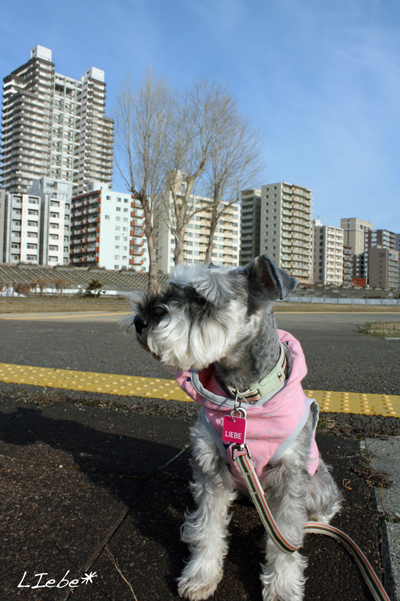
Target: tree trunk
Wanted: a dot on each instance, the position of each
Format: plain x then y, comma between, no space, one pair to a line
148,210
210,248
213,226
154,286
178,252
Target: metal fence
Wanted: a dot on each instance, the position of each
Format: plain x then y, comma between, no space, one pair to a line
345,295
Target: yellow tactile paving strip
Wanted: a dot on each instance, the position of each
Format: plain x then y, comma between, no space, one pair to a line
332,402
92,382
355,402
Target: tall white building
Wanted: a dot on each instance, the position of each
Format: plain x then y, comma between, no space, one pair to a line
250,225
54,126
226,240
354,233
35,226
286,234
398,250
328,254
107,230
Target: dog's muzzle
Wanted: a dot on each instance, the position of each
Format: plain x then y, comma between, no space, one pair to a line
140,324
141,332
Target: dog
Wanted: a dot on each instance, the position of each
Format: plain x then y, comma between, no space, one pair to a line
216,327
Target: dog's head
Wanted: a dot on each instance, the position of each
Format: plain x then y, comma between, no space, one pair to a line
207,311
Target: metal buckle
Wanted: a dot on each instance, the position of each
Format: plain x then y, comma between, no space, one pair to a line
237,406
240,447
239,410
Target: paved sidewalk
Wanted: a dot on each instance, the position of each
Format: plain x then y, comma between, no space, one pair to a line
102,492
386,458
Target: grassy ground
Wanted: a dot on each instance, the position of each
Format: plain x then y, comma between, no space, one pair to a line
385,329
49,304
105,304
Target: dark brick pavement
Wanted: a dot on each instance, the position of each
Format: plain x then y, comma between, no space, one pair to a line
88,489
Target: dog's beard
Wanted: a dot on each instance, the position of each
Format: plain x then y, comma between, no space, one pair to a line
144,345
186,346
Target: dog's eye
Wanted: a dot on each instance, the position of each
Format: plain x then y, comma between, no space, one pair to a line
159,312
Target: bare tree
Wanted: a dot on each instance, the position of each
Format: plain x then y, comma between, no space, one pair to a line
200,123
234,163
175,152
143,121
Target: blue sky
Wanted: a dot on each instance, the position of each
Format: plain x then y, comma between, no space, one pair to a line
320,77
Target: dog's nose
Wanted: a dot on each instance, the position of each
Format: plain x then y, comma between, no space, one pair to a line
140,324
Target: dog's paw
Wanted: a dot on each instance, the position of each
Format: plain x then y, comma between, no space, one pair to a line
283,577
195,591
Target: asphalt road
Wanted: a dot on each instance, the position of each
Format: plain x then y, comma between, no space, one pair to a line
338,356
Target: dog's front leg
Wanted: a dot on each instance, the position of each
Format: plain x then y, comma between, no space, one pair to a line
287,485
206,528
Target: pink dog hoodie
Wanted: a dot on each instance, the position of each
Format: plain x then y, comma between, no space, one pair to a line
273,422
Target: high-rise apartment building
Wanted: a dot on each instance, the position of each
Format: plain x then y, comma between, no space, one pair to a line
107,230
354,233
226,239
383,267
35,226
250,225
328,255
286,234
381,238
347,265
360,268
54,126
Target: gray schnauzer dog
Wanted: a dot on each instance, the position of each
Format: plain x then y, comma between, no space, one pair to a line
216,327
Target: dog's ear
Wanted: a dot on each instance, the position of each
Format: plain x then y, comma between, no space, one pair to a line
267,281
212,283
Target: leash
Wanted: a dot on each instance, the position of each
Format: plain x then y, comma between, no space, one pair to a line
257,494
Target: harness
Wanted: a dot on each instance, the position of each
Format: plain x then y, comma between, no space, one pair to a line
274,420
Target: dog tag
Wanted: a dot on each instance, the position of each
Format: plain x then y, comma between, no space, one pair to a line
234,429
